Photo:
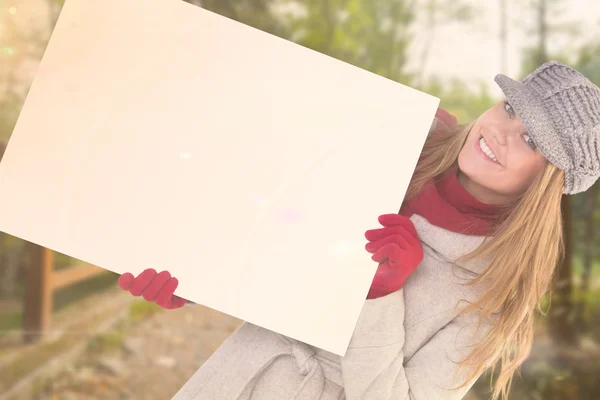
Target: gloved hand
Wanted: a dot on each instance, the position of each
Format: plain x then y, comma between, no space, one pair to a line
153,287
398,250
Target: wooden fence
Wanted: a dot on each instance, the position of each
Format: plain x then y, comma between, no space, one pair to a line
42,281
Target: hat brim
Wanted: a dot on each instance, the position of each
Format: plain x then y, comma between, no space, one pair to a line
530,110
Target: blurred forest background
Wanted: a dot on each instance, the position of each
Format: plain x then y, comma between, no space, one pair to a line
372,34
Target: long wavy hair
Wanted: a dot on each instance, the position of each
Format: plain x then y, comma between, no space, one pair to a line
525,246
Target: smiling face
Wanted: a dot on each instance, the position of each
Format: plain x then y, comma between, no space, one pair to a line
499,160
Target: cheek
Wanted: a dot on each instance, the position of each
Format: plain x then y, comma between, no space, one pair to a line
527,171
467,148
523,168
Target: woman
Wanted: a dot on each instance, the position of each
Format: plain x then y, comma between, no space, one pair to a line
482,222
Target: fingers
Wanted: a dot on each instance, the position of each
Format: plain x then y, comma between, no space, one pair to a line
372,235
390,220
394,224
378,237
165,297
153,287
389,251
178,302
125,281
142,281
373,247
156,285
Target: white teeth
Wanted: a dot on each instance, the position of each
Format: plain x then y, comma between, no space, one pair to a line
487,150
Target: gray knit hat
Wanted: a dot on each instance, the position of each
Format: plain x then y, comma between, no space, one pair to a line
561,110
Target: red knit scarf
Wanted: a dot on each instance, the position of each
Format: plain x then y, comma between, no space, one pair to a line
448,205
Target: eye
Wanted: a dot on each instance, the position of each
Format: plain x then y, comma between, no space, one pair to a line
508,108
529,141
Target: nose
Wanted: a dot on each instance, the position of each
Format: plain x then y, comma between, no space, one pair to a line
500,137
504,132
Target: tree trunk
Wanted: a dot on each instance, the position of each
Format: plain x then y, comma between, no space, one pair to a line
543,31
588,248
561,324
2,262
503,38
429,35
330,16
12,258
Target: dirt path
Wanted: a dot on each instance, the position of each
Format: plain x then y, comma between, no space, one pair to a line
152,359
152,362
148,361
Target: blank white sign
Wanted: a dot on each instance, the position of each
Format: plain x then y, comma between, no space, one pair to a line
160,135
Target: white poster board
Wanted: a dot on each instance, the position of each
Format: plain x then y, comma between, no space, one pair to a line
160,135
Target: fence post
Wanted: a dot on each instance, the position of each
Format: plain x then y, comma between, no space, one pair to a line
38,293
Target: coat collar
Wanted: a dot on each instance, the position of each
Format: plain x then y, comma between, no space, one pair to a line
449,246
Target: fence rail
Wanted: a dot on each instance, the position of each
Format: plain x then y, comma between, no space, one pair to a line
42,282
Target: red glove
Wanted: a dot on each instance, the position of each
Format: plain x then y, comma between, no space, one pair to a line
398,250
153,287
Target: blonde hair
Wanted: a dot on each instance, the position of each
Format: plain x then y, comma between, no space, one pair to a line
524,246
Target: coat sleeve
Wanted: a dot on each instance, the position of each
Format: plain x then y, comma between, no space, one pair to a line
374,367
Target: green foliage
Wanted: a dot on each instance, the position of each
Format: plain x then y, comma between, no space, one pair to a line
589,62
462,12
10,107
459,99
578,267
80,290
10,321
255,13
440,12
106,342
575,380
532,56
548,26
591,304
142,309
370,34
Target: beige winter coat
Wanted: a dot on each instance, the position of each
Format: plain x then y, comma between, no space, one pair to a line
405,344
